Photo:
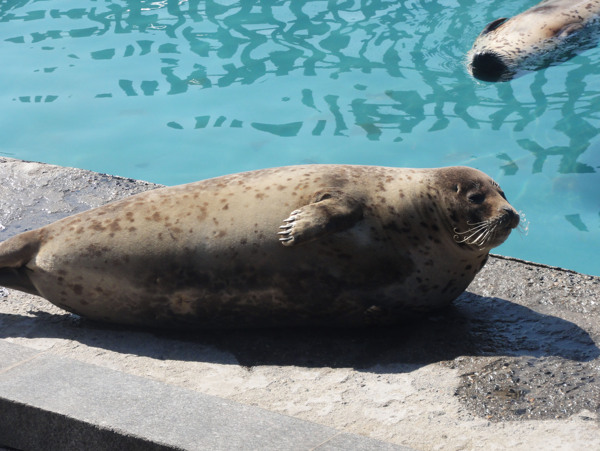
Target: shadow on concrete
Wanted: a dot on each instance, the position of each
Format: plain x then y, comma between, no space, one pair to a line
472,326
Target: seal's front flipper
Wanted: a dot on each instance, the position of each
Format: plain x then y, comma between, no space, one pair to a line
569,29
331,211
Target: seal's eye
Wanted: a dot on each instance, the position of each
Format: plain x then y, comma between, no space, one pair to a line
323,197
493,25
477,198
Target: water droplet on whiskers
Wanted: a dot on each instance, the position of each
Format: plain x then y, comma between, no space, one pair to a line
523,226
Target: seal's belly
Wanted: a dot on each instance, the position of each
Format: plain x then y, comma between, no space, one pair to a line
248,280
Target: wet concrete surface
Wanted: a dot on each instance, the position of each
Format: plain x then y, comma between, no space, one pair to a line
531,388
33,195
508,359
547,363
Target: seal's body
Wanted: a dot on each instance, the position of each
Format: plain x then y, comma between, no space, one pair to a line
553,30
299,245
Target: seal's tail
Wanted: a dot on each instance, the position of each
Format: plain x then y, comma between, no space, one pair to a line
15,253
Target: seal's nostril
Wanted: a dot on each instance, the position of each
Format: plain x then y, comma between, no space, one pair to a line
512,215
488,66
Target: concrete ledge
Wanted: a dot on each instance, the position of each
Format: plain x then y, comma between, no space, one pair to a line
55,403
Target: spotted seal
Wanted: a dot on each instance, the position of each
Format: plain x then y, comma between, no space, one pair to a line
553,30
301,245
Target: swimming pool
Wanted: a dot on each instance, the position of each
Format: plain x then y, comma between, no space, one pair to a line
176,91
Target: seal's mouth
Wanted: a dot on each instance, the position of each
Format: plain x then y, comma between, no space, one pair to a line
491,232
488,66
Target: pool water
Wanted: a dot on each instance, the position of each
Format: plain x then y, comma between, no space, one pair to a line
176,91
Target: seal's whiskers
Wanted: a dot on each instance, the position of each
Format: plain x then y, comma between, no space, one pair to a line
480,233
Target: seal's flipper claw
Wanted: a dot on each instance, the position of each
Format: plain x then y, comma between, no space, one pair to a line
287,241
286,236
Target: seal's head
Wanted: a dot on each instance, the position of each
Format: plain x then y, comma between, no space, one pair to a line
479,214
485,61
553,30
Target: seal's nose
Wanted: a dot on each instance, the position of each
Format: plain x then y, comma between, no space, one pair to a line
512,217
488,66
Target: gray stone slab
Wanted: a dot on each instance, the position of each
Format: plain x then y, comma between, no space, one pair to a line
13,355
55,403
347,442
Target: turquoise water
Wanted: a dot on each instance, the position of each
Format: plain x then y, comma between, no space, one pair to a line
176,91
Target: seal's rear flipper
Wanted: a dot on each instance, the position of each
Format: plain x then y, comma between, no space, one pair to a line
15,253
17,278
331,211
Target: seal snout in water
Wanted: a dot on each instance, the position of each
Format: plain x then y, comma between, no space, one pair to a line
553,30
488,66
301,245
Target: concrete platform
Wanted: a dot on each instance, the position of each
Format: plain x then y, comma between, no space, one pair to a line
56,403
514,363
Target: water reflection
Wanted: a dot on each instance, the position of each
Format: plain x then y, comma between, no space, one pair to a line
245,42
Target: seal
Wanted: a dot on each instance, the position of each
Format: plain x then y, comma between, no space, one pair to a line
327,245
551,31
